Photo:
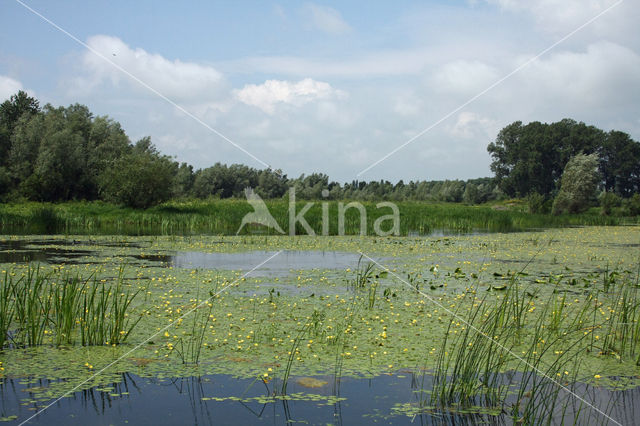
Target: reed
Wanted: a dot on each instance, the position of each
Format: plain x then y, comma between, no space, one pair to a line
190,346
7,310
224,217
60,308
104,317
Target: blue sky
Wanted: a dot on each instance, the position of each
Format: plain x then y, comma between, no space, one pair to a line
330,86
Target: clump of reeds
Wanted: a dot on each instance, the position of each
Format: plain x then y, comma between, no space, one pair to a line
473,362
63,308
190,346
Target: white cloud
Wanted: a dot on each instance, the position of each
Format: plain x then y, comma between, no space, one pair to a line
327,19
271,93
463,77
396,62
563,16
604,75
175,79
8,87
470,125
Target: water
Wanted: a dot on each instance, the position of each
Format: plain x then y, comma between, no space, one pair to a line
30,251
140,401
278,266
65,251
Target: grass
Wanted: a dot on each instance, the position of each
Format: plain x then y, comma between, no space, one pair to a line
223,217
60,308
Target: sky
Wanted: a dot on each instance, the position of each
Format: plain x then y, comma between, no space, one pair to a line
363,90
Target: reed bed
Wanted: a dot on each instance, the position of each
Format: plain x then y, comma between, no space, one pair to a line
520,355
223,217
62,309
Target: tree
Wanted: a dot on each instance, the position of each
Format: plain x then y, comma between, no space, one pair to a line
531,158
25,145
59,168
107,142
10,111
608,200
182,181
578,185
139,179
620,164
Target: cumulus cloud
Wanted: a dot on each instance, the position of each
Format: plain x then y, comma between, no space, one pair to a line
175,79
326,19
8,87
271,93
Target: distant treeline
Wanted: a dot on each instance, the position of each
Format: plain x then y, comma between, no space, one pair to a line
60,154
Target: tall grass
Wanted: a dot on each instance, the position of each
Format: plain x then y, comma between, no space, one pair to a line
225,217
480,348
59,308
104,317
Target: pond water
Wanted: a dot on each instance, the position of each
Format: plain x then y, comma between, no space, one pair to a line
279,265
224,400
396,327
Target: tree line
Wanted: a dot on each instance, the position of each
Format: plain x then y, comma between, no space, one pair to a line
530,158
66,153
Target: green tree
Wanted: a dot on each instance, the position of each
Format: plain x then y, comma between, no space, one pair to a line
59,168
25,145
10,111
579,184
531,158
182,181
139,179
620,164
107,142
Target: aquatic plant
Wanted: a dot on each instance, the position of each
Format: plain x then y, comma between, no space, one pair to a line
187,217
104,317
60,306
190,346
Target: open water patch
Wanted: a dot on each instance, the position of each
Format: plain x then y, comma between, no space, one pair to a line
278,265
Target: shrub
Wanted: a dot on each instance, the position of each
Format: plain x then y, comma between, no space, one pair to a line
138,180
536,203
608,200
632,205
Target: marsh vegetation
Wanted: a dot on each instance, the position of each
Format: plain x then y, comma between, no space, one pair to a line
501,326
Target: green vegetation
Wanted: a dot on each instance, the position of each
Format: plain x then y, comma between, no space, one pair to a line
223,217
531,158
61,308
572,296
578,185
57,154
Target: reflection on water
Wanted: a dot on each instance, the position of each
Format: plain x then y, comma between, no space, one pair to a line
279,265
30,251
137,400
69,251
